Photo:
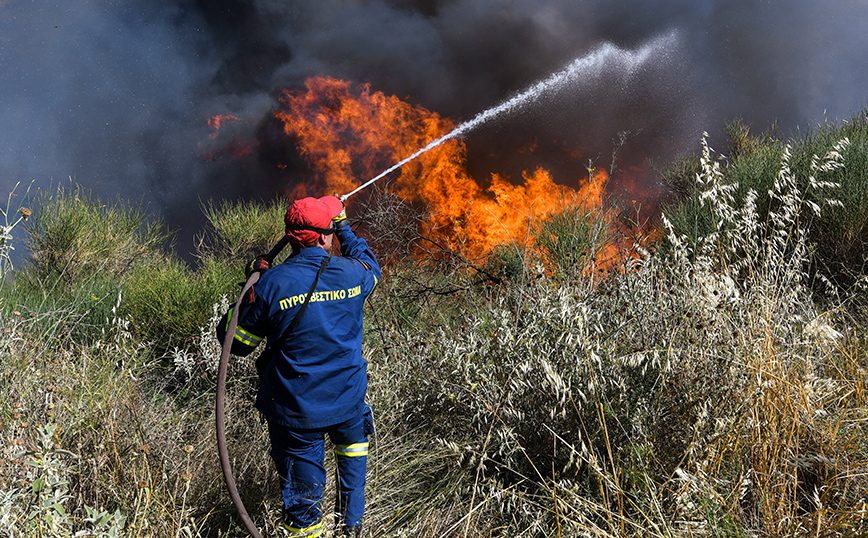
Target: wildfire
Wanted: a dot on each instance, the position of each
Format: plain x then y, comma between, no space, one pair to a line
348,134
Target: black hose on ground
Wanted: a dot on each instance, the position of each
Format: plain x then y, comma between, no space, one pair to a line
221,398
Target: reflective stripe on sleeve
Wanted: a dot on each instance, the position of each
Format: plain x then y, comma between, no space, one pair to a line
310,532
354,450
247,337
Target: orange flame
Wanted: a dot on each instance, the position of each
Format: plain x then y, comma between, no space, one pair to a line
215,122
349,134
214,148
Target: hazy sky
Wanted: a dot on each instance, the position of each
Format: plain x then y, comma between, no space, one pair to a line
116,94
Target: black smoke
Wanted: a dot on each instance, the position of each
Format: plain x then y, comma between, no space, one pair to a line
116,95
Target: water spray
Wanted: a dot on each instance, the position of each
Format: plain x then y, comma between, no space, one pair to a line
587,66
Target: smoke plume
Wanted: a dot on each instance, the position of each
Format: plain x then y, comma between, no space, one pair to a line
118,95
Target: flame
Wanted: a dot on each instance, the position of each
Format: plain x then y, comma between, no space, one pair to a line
214,146
349,134
215,122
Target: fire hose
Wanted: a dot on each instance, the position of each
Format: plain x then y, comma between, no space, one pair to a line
221,396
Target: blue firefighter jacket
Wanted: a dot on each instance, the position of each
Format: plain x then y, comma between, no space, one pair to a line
316,376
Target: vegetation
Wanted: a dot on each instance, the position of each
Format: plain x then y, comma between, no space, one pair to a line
837,235
707,389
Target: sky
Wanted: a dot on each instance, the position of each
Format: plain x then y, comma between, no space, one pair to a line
115,95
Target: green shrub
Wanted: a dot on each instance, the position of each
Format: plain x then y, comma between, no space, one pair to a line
240,231
97,261
168,303
840,234
569,240
81,250
504,262
74,236
678,175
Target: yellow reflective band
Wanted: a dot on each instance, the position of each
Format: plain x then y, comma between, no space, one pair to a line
310,532
228,319
357,449
246,337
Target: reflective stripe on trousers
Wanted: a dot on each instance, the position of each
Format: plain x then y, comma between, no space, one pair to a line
309,532
352,451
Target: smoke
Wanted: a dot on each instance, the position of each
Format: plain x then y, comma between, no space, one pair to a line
117,95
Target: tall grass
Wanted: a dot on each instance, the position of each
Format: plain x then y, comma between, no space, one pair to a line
776,442
840,236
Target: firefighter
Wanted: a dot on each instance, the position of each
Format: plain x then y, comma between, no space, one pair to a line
313,378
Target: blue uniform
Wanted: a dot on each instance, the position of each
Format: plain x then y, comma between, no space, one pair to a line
316,379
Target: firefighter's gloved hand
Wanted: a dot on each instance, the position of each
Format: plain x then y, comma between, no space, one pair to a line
341,220
260,264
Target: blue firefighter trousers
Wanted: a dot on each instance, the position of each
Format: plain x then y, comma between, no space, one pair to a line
299,455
